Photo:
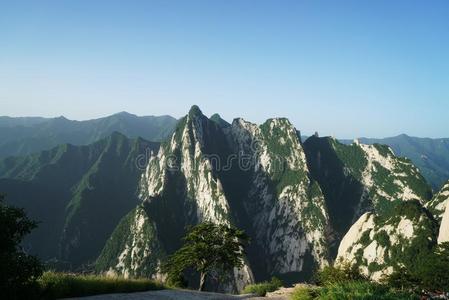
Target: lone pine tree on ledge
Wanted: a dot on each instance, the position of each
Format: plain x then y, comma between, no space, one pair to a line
207,248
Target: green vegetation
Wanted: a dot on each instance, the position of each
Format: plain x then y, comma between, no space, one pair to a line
207,248
384,150
21,274
61,285
399,249
354,290
346,282
351,156
427,276
129,235
261,289
343,273
18,270
436,201
429,272
70,187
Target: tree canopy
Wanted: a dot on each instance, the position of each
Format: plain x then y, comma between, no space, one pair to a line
207,248
18,269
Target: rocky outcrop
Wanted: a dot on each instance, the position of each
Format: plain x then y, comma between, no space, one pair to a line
444,228
358,178
375,202
287,212
379,244
437,205
133,248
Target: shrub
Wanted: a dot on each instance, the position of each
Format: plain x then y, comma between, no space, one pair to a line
62,285
429,272
403,279
342,272
433,270
305,293
355,290
261,289
362,290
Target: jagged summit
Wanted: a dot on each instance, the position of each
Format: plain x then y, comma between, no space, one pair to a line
195,111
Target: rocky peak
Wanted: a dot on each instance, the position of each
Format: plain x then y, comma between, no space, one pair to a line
195,111
275,144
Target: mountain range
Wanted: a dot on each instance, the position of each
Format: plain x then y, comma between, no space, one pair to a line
26,135
121,204
21,136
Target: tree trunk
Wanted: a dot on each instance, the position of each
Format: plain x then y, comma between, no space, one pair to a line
202,281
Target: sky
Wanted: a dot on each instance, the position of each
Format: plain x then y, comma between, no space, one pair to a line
342,68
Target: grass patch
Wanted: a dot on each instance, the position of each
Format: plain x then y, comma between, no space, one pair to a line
61,285
355,290
261,289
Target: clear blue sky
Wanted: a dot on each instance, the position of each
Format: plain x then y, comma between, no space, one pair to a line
347,68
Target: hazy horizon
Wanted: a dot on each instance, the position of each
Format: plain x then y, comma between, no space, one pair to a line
306,134
346,69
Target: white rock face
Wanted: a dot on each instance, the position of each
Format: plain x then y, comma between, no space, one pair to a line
137,248
370,241
287,210
282,228
397,169
345,250
202,184
373,253
439,202
443,235
132,249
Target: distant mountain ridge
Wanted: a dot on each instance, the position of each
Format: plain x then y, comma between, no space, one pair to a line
6,121
430,155
22,136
